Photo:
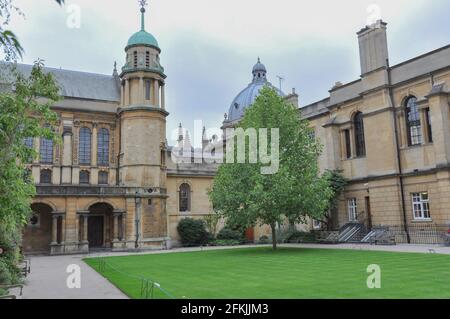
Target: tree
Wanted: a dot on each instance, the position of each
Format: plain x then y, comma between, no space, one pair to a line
337,184
24,113
9,43
296,192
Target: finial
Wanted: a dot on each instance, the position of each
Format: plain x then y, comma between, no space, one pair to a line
259,61
143,4
115,69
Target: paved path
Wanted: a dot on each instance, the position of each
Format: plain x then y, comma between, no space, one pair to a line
48,278
48,273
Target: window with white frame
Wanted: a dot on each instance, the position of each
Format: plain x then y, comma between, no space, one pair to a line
421,207
352,210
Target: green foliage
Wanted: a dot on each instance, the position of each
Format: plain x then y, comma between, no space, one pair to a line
337,184
193,232
301,237
228,233
23,113
246,197
225,242
212,222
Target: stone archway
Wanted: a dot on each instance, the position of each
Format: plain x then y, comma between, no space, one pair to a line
37,235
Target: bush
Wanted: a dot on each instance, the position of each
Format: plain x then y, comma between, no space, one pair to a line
193,232
301,237
225,242
264,240
9,259
229,234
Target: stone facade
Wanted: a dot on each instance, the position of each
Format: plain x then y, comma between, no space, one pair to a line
116,186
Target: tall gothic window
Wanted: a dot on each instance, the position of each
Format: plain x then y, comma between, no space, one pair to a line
103,147
85,146
185,198
348,149
360,143
413,125
46,151
84,177
46,176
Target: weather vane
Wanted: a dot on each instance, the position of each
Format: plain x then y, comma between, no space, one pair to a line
143,4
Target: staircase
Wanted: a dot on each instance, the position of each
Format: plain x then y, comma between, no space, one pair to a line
352,233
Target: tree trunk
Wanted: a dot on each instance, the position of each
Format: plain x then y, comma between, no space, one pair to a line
274,236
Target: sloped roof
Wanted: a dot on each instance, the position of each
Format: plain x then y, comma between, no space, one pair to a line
76,84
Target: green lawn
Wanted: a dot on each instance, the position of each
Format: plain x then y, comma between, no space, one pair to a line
286,273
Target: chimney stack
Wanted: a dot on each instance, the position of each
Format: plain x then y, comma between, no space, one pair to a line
373,48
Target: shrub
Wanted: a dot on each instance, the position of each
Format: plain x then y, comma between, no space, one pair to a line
264,240
301,237
227,233
193,232
225,242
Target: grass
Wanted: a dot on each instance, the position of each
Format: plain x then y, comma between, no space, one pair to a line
286,273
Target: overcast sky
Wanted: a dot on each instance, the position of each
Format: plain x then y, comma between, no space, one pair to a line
210,46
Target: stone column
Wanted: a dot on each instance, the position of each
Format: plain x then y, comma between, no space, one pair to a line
116,227
156,92
127,92
141,90
94,145
122,97
77,228
54,229
440,126
163,96
63,229
85,228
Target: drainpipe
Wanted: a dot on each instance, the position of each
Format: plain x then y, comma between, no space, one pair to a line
397,146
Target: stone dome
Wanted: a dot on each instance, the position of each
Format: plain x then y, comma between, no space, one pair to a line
248,95
142,37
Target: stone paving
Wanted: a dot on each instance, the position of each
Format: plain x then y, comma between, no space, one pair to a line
48,278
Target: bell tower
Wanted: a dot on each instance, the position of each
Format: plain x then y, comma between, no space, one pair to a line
142,111
142,118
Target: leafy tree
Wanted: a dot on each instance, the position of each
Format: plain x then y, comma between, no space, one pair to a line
246,197
24,113
12,49
337,184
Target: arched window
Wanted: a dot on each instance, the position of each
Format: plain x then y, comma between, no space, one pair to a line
84,177
414,129
103,147
103,178
46,176
85,146
46,151
185,198
360,143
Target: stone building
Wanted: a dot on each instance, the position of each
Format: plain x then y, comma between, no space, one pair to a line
112,182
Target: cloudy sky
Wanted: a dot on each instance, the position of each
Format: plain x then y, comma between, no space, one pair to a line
210,46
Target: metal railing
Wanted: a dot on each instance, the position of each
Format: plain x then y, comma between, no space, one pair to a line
149,289
419,233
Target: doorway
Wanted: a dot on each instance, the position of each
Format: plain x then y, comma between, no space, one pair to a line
95,231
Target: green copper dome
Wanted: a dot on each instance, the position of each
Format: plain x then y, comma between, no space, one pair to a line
143,38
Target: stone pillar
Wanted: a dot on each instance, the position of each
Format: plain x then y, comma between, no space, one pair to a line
85,228
94,145
127,92
54,229
37,146
163,96
141,90
77,229
440,126
116,227
156,92
122,97
63,229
